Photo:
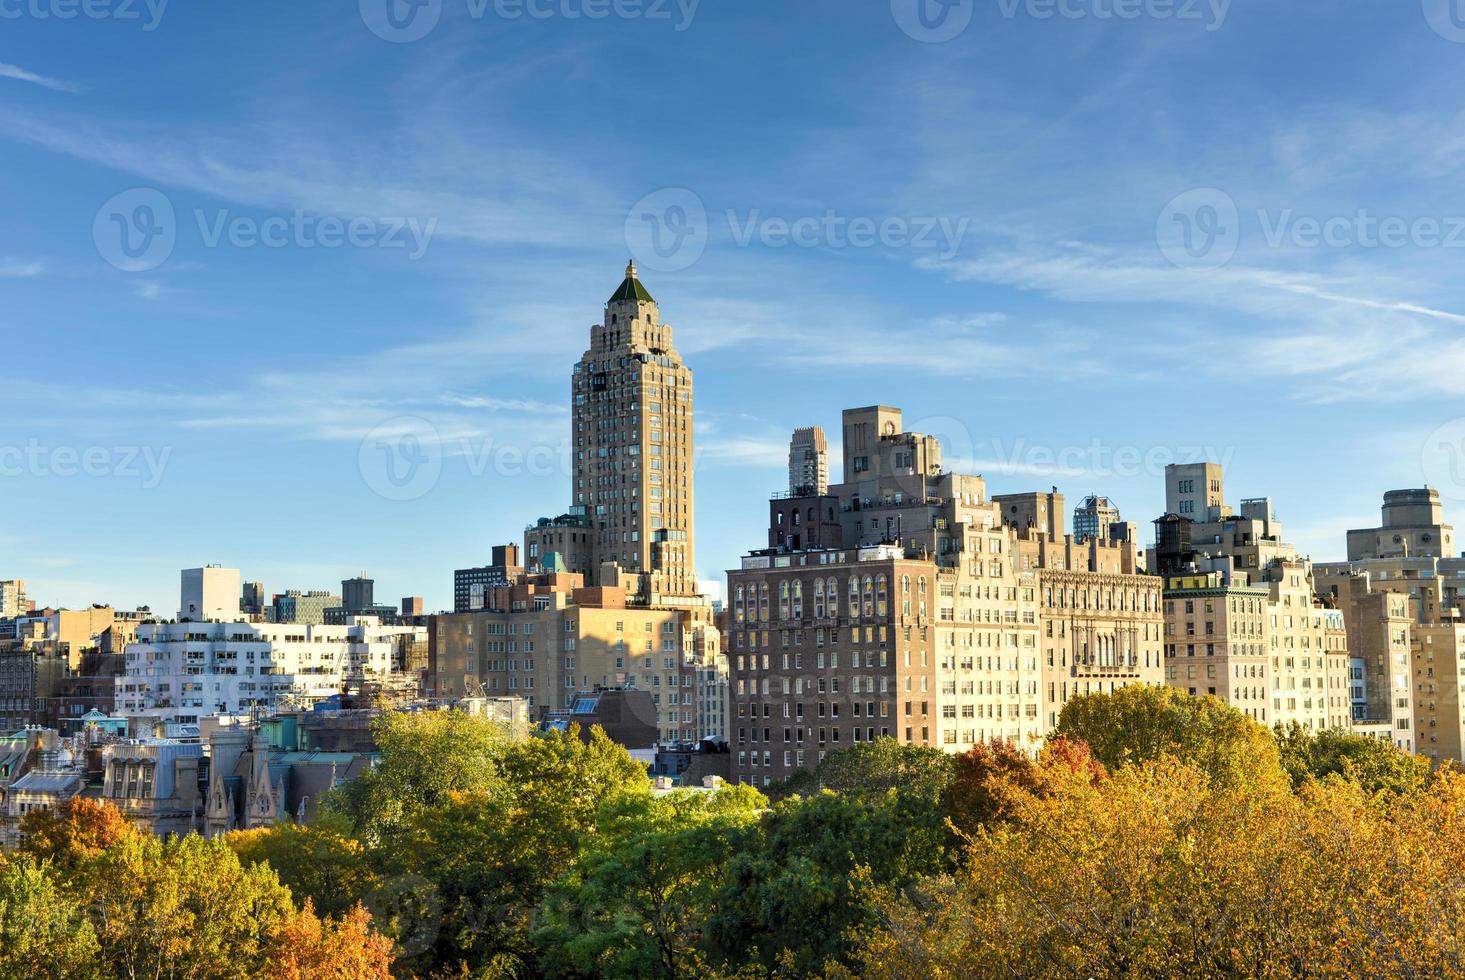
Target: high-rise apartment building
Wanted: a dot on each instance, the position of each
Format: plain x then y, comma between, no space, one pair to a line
1401,594
808,462
901,604
1093,517
632,471
1216,640
1215,563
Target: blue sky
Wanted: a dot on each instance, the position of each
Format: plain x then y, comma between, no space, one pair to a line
373,237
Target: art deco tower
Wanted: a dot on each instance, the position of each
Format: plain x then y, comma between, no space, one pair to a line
633,445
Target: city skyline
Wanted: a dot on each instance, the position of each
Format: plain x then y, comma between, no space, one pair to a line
395,443
1011,302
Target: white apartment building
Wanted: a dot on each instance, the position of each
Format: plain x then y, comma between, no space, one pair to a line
180,672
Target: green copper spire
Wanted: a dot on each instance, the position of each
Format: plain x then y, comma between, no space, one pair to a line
631,288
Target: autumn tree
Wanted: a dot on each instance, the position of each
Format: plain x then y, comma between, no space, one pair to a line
1159,870
310,948
990,776
1139,723
74,831
316,862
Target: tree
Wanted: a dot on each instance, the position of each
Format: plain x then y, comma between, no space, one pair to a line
184,907
44,932
991,776
872,769
639,896
74,831
1139,723
425,757
318,864
799,884
1377,765
1159,870
309,948
471,870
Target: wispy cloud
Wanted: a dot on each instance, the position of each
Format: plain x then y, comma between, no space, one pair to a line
16,269
21,75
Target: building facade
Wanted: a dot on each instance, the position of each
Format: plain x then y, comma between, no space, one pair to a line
905,603
178,673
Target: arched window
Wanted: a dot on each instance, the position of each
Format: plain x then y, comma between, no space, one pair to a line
880,596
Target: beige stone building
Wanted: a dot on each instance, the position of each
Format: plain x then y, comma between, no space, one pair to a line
633,495
1308,644
1438,655
1307,666
547,636
1400,590
1216,641
905,603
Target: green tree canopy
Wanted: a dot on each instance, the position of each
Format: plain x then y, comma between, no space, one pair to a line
425,757
1378,766
1139,723
637,902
